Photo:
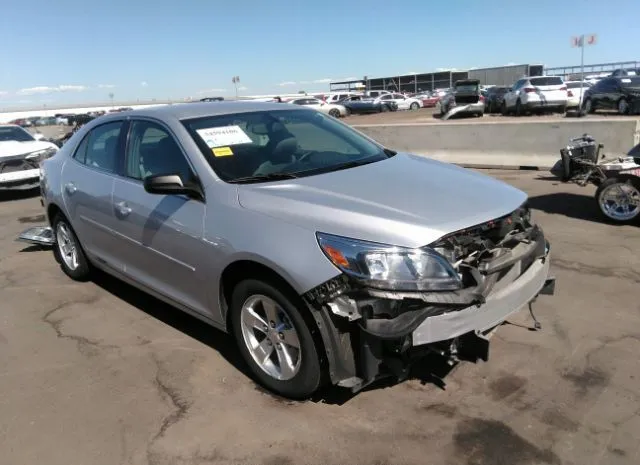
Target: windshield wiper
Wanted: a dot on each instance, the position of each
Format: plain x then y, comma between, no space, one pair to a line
264,177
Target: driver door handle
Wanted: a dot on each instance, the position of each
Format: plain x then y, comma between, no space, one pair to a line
70,188
123,209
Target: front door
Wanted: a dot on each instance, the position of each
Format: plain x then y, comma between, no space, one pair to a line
163,234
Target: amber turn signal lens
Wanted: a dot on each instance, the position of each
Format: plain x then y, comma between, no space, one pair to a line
336,256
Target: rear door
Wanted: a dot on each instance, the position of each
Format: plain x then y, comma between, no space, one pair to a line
512,95
87,186
160,234
551,89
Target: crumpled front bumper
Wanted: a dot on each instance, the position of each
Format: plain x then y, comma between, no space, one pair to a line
498,306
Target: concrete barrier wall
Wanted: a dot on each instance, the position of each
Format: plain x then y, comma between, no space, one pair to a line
503,144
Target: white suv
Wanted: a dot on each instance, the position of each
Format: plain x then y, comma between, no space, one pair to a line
539,93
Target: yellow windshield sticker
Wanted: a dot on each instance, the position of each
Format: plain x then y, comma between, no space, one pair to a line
222,151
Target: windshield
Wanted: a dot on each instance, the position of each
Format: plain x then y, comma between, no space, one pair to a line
630,81
466,87
279,142
576,85
546,81
9,133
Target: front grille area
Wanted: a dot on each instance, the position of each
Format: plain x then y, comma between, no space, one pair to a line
11,166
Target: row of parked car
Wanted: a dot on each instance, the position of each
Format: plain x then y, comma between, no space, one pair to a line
61,119
552,93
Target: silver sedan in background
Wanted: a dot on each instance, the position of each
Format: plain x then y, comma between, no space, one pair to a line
329,258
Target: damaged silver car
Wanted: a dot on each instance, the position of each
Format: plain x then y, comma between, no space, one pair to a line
328,257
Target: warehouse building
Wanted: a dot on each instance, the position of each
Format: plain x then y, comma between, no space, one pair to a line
414,83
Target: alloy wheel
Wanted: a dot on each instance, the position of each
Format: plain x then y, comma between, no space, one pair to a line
270,337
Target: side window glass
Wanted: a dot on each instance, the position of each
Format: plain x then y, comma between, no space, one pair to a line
152,151
102,149
81,150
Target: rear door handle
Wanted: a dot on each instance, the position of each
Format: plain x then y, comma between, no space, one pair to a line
70,188
123,209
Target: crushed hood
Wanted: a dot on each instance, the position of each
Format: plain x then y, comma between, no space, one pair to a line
406,200
12,148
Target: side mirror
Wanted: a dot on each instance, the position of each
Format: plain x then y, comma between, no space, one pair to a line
170,184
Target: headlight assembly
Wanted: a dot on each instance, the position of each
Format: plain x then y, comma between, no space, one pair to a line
41,154
388,267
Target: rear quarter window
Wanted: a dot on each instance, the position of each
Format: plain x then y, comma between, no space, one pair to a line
546,81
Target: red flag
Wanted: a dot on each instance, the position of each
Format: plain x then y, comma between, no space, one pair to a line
591,39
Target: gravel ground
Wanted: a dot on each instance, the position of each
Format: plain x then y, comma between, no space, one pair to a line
99,373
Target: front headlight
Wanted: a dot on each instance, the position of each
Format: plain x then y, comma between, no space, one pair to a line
389,267
42,154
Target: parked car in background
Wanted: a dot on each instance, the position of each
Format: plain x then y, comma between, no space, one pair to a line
428,99
20,156
268,221
331,109
575,93
358,105
466,95
376,93
494,97
613,93
338,96
212,99
624,72
47,121
80,119
402,102
536,94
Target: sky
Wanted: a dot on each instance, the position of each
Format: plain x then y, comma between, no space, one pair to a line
79,51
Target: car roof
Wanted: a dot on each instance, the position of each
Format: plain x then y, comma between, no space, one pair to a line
183,111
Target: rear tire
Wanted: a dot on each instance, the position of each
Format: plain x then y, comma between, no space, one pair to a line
384,108
68,251
505,111
334,112
414,106
613,196
289,371
587,107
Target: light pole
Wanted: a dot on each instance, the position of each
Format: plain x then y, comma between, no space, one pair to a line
582,41
236,81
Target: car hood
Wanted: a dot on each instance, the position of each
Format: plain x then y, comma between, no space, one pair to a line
406,200
12,148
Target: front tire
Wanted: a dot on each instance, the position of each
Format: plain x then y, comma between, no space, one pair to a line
505,111
275,340
334,112
623,107
619,200
68,251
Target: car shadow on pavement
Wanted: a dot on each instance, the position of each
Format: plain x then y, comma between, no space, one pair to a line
167,314
580,207
428,370
12,195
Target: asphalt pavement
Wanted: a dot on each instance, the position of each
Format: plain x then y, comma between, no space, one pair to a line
99,373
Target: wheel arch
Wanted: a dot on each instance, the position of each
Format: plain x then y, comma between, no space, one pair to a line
250,268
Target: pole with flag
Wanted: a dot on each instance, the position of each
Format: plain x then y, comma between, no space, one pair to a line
582,41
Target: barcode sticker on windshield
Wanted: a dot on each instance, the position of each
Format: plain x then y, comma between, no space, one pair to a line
224,136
